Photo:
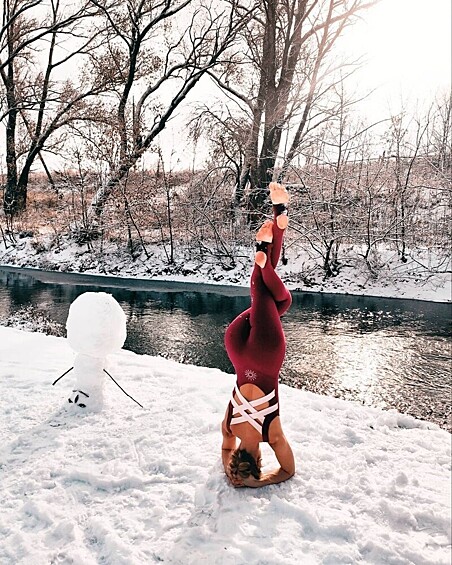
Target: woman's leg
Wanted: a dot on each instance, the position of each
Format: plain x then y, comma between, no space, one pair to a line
237,335
259,327
278,290
271,232
278,236
261,323
280,198
266,343
269,296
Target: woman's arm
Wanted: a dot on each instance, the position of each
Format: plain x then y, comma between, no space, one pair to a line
285,457
228,445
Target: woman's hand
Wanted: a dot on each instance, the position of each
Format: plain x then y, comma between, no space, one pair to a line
235,480
252,482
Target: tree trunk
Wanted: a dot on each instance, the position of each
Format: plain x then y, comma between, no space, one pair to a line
278,98
266,102
12,201
12,204
309,99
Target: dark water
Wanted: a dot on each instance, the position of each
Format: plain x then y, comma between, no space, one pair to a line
382,352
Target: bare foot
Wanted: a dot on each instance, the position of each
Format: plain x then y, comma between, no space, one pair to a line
263,236
265,232
283,221
278,193
260,258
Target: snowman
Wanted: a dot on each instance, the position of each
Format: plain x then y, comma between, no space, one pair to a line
96,328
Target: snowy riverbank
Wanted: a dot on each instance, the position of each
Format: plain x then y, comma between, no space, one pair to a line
424,276
132,486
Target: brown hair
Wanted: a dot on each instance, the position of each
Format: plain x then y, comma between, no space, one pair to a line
243,464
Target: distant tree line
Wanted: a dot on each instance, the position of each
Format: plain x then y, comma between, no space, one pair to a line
97,81
95,69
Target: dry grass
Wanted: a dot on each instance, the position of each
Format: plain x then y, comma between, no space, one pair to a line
147,209
196,211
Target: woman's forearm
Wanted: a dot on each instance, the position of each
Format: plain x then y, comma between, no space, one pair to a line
226,457
271,478
275,477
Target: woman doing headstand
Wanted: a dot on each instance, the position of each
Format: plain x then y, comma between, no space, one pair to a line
256,346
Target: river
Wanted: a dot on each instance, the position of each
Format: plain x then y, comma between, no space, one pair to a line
388,353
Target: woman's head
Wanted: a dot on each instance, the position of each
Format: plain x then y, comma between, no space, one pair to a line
243,464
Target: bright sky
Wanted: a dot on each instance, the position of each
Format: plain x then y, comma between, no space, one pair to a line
406,52
407,49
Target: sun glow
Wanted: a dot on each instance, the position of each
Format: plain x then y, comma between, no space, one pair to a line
406,45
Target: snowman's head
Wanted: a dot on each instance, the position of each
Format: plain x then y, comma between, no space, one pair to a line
96,324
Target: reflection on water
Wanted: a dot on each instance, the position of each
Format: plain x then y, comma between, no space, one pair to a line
381,352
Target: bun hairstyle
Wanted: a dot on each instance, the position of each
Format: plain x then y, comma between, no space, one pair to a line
243,464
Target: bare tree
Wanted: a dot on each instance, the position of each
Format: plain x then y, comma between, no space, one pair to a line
289,47
405,148
185,57
439,144
341,186
371,187
39,40
227,136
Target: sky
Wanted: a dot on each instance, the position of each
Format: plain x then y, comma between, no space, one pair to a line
406,52
406,45
406,48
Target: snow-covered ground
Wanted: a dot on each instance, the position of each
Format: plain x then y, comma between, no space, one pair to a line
139,486
425,276
132,486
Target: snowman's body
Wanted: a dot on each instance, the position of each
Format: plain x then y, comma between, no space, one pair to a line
96,327
89,384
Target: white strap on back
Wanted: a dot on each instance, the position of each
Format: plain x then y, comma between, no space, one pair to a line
257,401
248,411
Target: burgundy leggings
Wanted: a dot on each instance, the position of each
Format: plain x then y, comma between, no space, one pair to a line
255,339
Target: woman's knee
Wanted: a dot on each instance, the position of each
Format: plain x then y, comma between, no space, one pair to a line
284,305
